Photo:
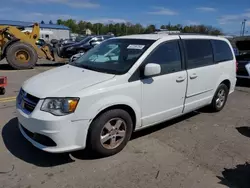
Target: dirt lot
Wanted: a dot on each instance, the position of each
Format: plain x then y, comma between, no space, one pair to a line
201,149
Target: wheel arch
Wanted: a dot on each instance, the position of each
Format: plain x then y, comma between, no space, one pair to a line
227,83
124,107
225,79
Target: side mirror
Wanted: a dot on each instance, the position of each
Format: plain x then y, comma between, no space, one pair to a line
152,69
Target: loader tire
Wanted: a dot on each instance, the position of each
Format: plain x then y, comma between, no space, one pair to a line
21,55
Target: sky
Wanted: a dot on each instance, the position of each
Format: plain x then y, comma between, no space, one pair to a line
224,14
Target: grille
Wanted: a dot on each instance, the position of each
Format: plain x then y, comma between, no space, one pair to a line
26,101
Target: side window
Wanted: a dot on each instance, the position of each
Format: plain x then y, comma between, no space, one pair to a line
199,53
222,51
168,56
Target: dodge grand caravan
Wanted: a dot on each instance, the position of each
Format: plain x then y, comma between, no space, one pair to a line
121,86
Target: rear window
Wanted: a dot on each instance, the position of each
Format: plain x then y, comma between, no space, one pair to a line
222,51
199,53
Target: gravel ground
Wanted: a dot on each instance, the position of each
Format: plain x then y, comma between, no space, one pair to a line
200,149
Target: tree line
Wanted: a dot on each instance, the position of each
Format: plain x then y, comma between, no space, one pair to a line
119,29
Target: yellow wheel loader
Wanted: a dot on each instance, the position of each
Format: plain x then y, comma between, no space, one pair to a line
20,49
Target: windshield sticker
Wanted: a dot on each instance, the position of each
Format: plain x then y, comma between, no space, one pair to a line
136,46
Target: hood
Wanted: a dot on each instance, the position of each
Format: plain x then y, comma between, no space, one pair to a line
63,81
69,43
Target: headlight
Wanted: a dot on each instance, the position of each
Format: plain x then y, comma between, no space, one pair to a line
69,48
60,106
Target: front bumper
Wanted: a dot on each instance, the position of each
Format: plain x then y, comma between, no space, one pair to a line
67,135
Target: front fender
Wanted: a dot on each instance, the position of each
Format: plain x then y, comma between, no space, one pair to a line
107,102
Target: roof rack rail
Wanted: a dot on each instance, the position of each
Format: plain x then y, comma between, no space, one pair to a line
163,33
188,34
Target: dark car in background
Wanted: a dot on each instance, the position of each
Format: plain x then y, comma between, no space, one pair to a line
243,58
67,51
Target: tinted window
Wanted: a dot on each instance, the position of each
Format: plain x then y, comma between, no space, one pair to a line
168,56
199,53
222,51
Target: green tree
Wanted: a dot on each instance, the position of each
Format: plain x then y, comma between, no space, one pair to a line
59,22
72,25
128,28
150,29
81,27
163,27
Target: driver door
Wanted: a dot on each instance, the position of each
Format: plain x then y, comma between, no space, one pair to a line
163,95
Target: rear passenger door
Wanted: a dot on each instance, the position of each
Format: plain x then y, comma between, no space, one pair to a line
203,73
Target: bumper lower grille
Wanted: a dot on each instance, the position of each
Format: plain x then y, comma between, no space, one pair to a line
41,139
26,101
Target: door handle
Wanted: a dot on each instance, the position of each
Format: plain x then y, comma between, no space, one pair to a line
193,76
180,79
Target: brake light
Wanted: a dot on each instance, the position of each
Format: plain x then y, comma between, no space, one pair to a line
236,64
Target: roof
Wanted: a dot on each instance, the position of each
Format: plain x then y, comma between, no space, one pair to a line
164,35
144,36
28,24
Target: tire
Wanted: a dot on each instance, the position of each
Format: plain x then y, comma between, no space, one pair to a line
29,51
98,128
2,90
216,106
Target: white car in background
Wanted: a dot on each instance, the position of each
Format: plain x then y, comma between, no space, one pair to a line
123,85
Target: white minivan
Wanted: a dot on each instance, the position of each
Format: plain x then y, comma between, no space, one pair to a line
121,86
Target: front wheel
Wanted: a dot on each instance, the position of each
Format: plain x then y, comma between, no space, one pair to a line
220,98
110,132
21,55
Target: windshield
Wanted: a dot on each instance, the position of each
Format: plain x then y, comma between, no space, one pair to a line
114,56
78,39
85,40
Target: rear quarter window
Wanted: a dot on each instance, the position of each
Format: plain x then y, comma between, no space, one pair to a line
222,51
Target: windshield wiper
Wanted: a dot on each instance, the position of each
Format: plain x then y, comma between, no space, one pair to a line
87,67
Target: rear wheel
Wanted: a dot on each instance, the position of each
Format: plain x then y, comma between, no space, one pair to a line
21,55
220,98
